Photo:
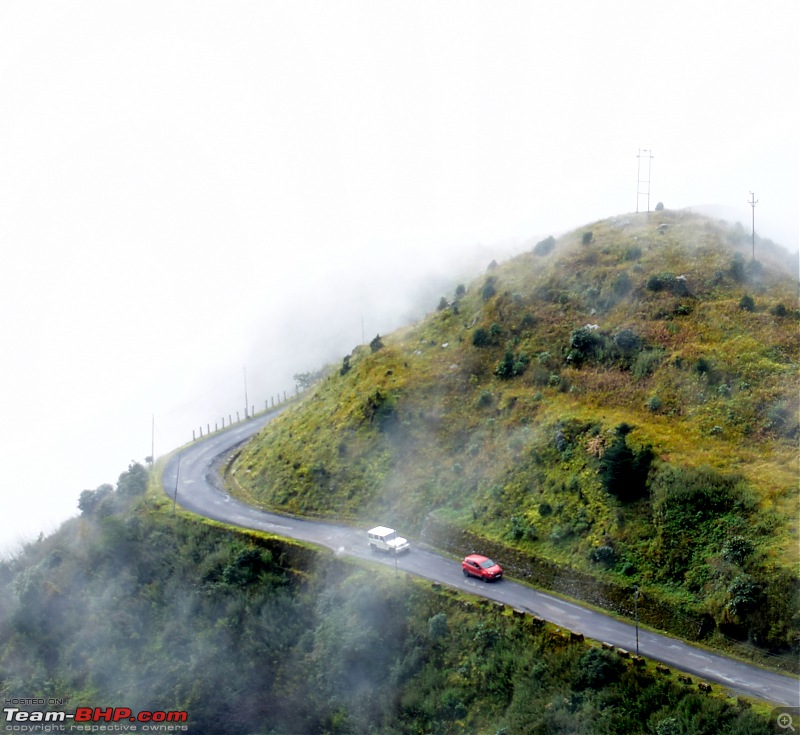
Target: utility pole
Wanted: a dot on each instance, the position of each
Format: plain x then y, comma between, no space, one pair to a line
246,404
753,201
177,475
648,154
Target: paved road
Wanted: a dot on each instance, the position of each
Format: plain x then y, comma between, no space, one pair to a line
200,491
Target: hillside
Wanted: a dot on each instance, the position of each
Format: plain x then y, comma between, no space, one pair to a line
133,606
618,405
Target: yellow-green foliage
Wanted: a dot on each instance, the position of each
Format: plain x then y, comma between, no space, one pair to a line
643,325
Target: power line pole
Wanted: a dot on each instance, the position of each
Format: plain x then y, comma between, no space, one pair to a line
753,201
246,404
639,180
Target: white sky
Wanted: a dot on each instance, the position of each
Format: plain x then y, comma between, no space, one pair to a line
188,189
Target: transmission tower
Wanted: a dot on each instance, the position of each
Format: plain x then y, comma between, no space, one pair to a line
753,201
643,185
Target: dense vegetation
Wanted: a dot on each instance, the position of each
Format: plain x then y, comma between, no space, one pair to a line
623,405
130,605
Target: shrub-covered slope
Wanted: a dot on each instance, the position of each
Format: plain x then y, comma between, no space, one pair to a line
622,400
130,606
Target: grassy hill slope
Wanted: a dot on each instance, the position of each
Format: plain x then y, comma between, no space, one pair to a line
621,402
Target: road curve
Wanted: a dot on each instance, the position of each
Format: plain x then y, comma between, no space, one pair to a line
189,477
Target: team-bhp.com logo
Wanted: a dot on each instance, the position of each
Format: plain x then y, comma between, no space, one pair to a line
93,719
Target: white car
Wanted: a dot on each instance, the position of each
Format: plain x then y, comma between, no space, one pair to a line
382,538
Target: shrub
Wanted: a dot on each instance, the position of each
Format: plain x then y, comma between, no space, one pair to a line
480,338
603,555
437,626
746,303
658,282
488,289
646,362
633,252
521,529
626,340
511,365
737,550
544,247
744,595
622,284
623,471
654,404
376,343
587,237
597,669
584,344
782,418
737,268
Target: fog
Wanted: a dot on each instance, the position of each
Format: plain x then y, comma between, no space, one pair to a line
199,199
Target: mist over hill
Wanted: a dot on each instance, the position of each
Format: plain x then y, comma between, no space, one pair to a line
619,401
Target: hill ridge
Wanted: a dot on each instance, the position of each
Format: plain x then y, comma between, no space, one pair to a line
619,399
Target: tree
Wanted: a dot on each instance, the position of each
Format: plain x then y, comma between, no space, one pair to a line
376,343
133,481
623,472
90,500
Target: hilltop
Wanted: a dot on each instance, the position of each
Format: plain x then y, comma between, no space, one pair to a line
615,408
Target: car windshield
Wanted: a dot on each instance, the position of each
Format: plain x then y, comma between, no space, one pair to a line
390,536
486,564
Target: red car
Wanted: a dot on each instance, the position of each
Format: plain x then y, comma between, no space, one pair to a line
482,567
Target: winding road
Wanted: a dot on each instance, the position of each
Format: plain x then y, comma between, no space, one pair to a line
190,477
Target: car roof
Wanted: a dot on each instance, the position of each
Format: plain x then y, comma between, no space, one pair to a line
476,557
380,530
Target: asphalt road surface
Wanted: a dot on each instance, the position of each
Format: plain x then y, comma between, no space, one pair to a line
191,473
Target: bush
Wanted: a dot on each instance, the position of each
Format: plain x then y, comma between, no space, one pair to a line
737,550
511,365
622,284
597,669
587,237
376,343
480,338
646,362
623,471
746,303
584,344
544,247
488,289
626,341
603,555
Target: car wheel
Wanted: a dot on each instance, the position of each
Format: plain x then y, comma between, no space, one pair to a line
466,573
